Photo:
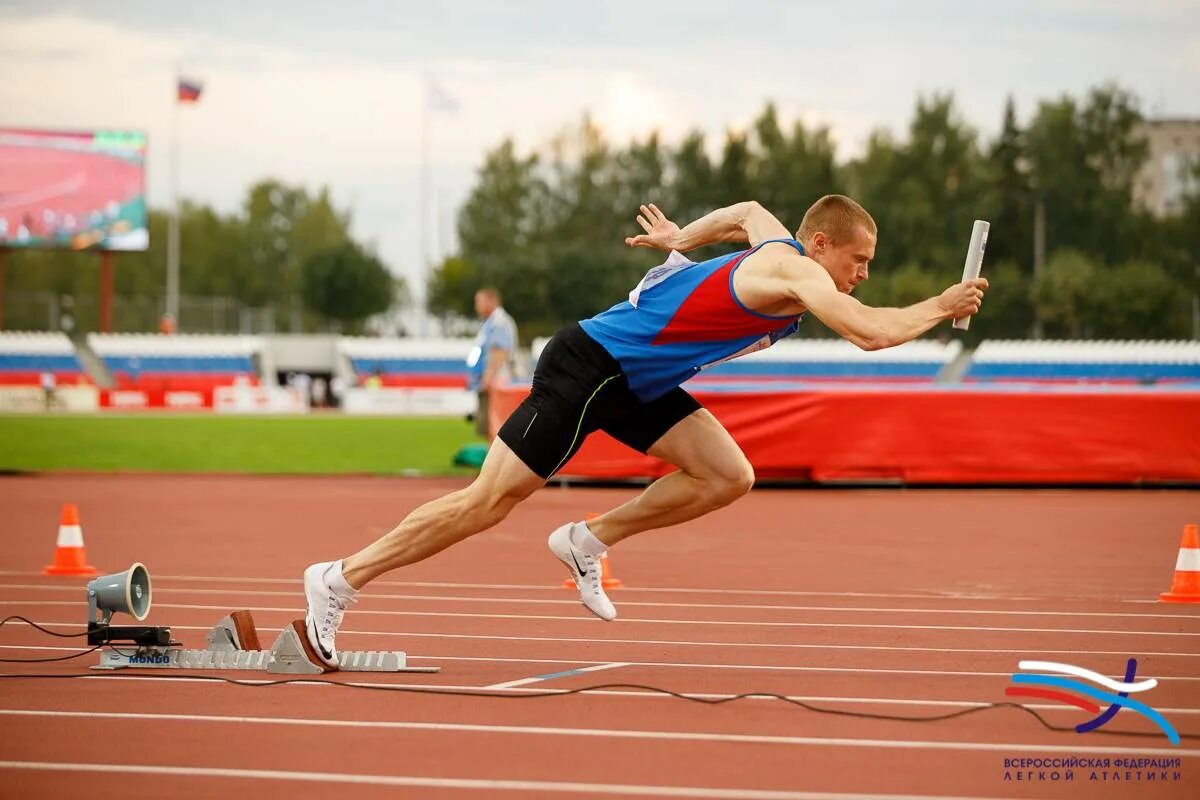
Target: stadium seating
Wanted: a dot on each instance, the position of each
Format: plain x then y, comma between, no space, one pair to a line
432,363
177,363
1175,362
25,356
827,360
836,360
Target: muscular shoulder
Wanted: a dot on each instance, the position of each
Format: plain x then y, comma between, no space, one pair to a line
775,259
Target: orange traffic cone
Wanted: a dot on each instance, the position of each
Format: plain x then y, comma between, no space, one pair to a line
606,577
69,556
1186,586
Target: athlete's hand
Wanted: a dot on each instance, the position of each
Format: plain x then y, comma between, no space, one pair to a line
964,299
660,232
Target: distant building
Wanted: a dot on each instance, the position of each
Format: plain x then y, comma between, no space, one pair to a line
1169,174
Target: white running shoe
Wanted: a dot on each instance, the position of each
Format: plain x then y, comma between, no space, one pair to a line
325,612
585,569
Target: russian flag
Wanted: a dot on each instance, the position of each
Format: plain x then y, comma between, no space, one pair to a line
189,91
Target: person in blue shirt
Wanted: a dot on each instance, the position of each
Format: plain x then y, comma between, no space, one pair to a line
491,360
621,371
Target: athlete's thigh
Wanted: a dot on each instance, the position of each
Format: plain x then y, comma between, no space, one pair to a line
505,475
639,424
571,394
699,445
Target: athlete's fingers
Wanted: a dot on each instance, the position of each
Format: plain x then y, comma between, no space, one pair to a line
647,213
661,216
646,226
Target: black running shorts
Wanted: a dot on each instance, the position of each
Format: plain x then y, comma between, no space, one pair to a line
578,388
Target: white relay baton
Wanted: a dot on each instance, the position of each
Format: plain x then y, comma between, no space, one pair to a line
974,262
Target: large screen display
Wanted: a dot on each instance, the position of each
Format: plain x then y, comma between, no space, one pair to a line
73,189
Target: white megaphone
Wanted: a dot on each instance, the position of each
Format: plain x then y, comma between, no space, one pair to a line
129,593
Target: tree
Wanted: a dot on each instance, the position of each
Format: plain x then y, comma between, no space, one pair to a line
1084,160
213,254
1009,202
733,174
347,284
452,289
284,226
640,176
789,173
694,186
499,229
1062,294
944,168
1007,311
1138,300
924,194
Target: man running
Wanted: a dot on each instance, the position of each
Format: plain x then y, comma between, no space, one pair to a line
621,371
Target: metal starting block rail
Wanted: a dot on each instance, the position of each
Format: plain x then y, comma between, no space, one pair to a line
233,644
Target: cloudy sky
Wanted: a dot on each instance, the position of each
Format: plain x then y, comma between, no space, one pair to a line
331,94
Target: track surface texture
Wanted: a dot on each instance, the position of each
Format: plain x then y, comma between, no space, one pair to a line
888,602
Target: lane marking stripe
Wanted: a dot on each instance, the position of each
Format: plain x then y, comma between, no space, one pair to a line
543,587
602,733
685,643
553,675
622,693
641,604
697,665
464,783
649,621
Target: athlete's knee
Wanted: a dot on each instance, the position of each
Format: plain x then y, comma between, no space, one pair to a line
489,505
731,481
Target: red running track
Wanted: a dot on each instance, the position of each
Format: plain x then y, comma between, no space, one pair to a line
910,603
69,182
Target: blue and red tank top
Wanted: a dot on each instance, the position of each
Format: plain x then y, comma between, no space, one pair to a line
682,317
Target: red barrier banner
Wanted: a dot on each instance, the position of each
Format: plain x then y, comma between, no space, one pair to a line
141,399
963,435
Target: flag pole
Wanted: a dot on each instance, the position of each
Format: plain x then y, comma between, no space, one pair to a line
423,310
173,221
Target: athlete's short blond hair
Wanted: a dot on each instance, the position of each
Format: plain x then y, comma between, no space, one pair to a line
836,216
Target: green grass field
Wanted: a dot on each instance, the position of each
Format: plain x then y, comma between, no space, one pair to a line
317,444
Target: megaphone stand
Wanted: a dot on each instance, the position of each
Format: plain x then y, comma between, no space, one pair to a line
100,632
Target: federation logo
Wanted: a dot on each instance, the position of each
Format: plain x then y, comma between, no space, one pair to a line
1043,680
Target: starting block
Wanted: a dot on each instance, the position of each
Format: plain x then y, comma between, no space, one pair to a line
233,643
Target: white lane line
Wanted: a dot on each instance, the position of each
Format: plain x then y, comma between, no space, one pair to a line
554,675
592,789
646,621
63,188
637,604
555,588
433,688
886,648
611,733
699,665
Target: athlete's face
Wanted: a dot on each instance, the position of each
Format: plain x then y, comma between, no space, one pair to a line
846,262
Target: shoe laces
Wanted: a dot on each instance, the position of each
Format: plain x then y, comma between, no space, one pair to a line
335,609
593,571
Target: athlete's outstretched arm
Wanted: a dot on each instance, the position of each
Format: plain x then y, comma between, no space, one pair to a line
874,328
741,222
